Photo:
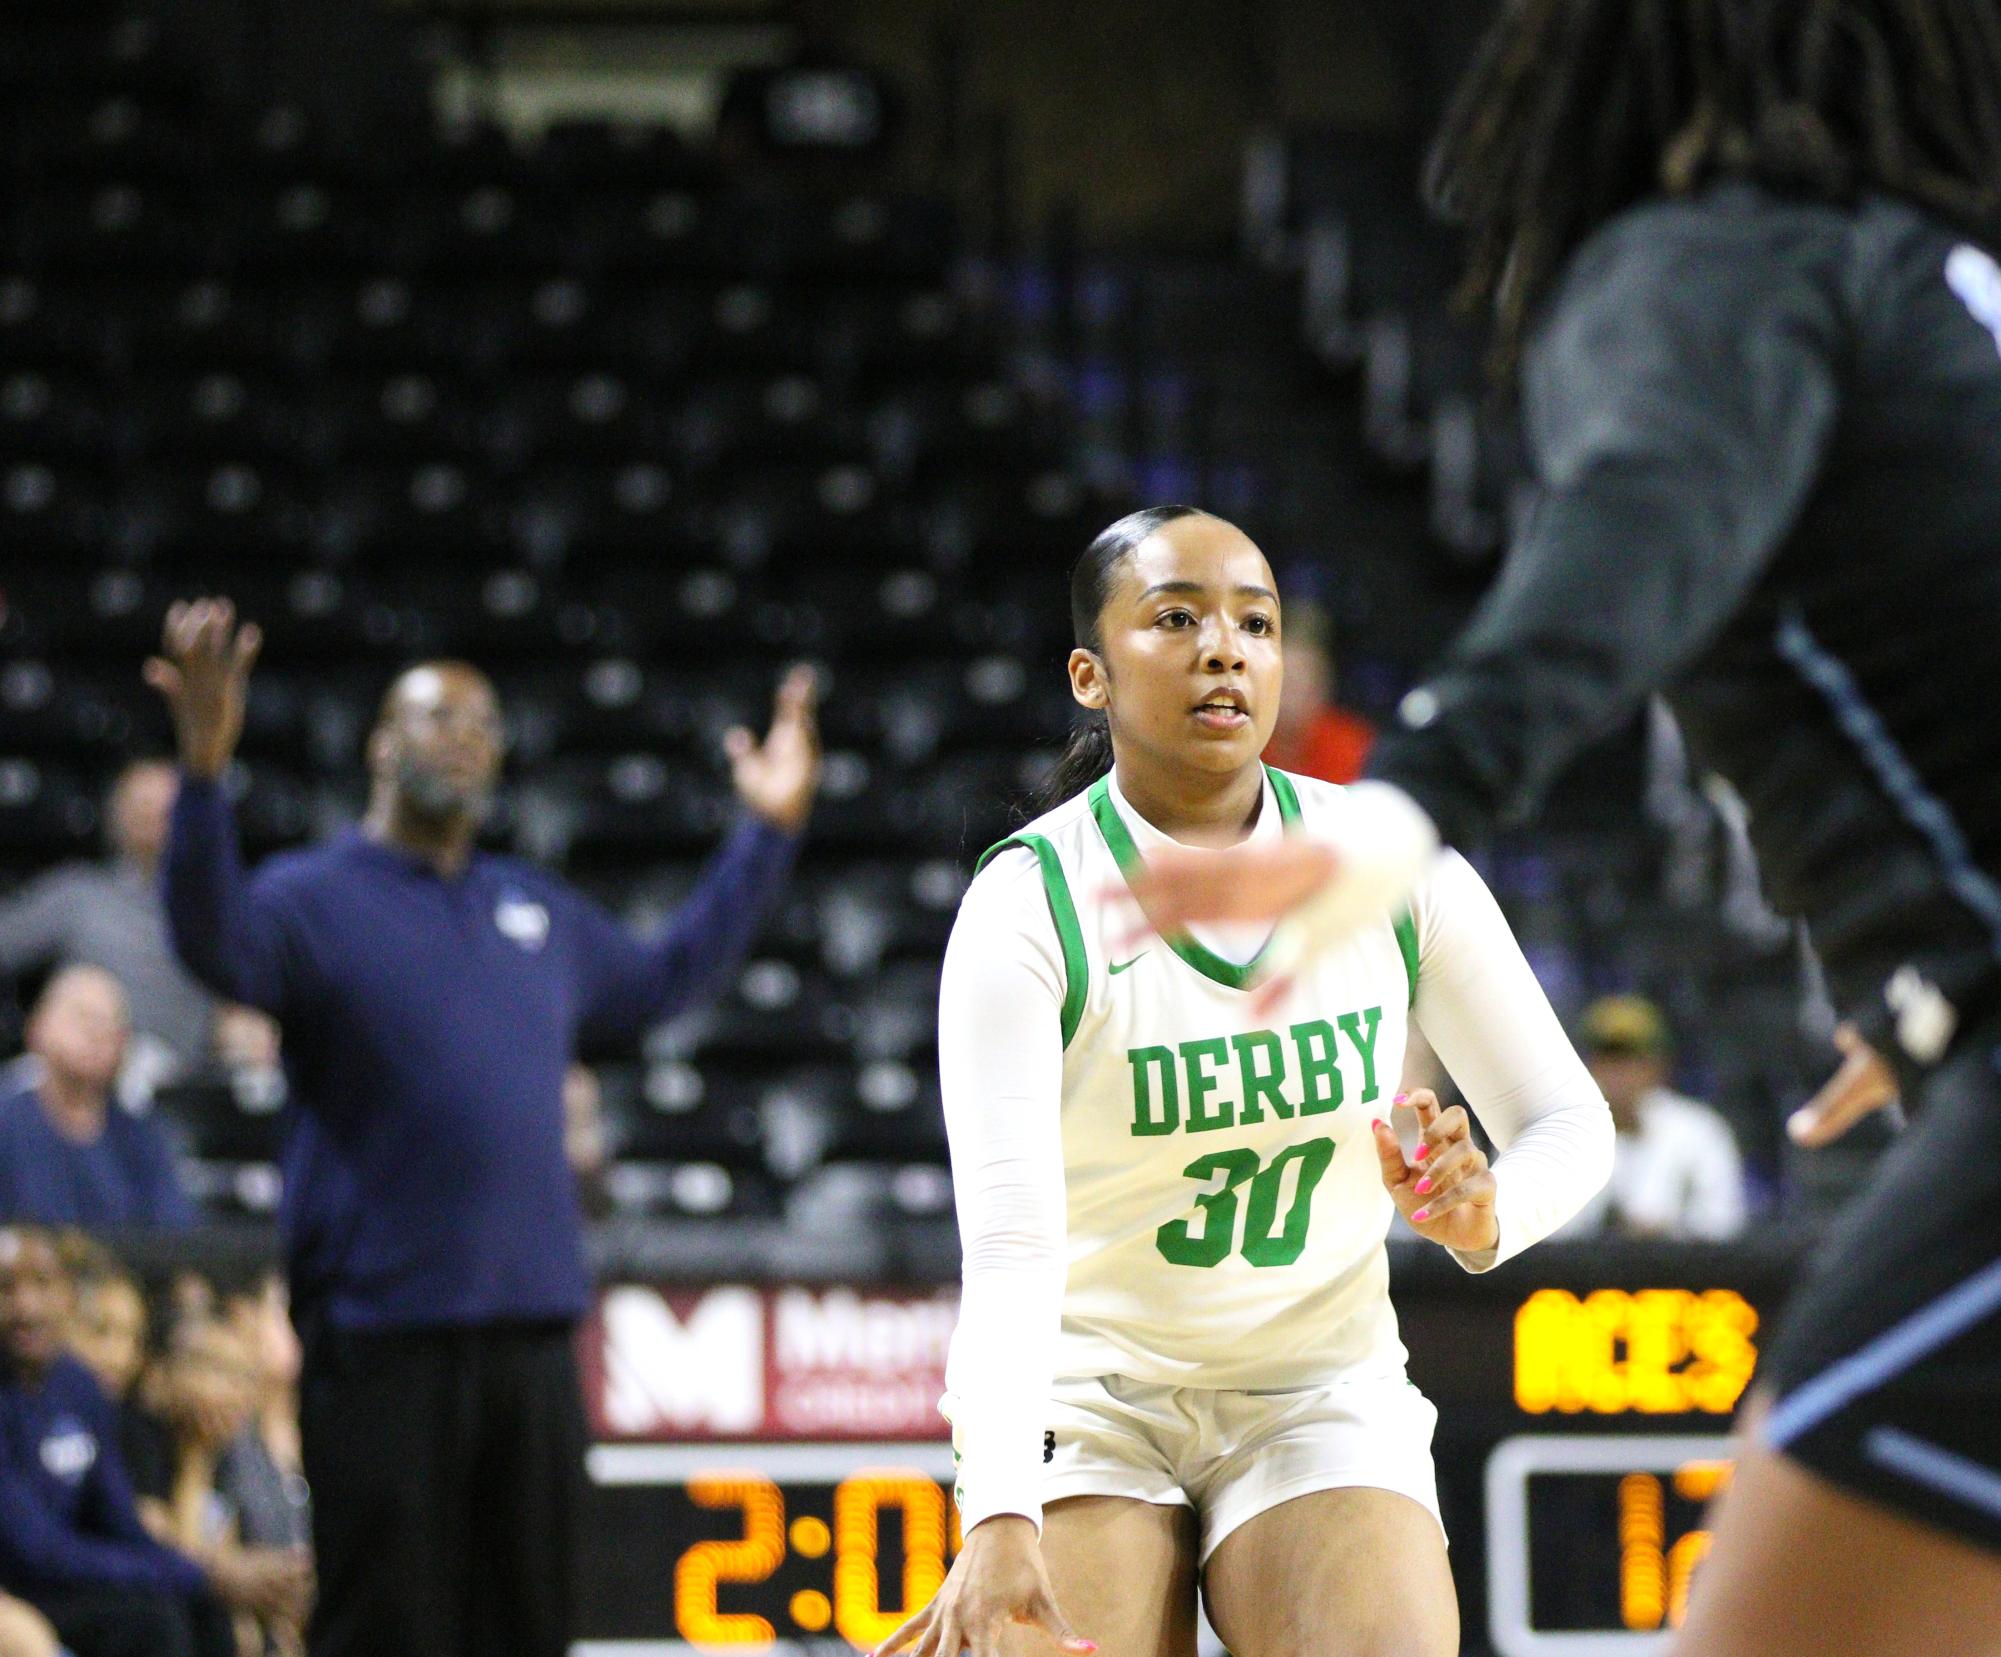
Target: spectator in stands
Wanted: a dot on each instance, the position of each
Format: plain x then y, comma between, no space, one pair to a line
69,1155
584,1138
264,1478
1677,1171
108,915
431,997
107,1328
1315,735
107,1333
263,1312
71,1543
226,1499
244,1039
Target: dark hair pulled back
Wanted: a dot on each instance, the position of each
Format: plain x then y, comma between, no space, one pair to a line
1087,756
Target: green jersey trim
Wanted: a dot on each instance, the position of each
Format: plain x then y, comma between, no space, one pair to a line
1286,795
1124,853
1076,964
1406,930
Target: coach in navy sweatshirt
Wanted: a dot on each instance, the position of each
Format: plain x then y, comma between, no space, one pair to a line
431,996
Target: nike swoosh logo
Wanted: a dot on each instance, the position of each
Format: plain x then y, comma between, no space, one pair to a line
1120,966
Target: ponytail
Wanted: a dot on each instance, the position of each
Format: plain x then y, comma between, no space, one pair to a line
1087,755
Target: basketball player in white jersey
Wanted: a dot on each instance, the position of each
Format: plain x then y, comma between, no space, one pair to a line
1176,1362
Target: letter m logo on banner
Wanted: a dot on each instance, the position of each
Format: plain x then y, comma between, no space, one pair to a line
665,1375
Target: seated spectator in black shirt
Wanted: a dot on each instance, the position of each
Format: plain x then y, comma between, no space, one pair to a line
226,1498
71,1543
69,1156
268,1478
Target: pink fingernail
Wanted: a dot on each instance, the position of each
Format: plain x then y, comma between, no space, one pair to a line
1420,1216
1376,1123
1423,1186
1421,1153
1399,1099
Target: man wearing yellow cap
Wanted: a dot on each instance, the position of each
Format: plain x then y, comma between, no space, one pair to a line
1677,1172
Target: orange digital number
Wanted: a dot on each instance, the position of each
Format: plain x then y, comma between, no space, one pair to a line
859,1613
1654,1579
753,1558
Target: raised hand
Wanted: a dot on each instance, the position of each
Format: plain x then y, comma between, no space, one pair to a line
778,777
203,670
1864,1083
1447,1192
998,1583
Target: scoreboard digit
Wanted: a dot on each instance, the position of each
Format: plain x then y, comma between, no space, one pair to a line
859,1613
755,1557
1571,1513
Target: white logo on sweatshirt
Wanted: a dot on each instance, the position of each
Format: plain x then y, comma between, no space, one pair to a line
69,1452
523,920
1974,276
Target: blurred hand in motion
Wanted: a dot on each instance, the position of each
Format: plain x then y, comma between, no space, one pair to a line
997,1586
778,777
1863,1083
1355,868
1447,1193
203,670
1178,886
275,1583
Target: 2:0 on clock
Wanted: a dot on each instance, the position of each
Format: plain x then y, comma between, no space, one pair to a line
745,1546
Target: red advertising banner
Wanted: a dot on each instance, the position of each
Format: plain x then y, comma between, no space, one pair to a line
663,1363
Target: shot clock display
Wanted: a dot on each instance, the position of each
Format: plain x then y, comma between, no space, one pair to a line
1593,1542
1584,1396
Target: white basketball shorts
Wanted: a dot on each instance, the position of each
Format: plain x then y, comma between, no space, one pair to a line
1233,1455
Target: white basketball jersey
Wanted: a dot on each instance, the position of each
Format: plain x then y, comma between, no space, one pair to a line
1226,1209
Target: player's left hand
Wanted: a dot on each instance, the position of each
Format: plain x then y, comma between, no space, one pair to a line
1447,1194
1864,1083
778,777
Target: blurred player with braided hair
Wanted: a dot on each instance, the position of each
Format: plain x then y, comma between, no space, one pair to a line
1741,257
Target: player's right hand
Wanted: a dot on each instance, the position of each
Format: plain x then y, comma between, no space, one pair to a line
203,670
998,1582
